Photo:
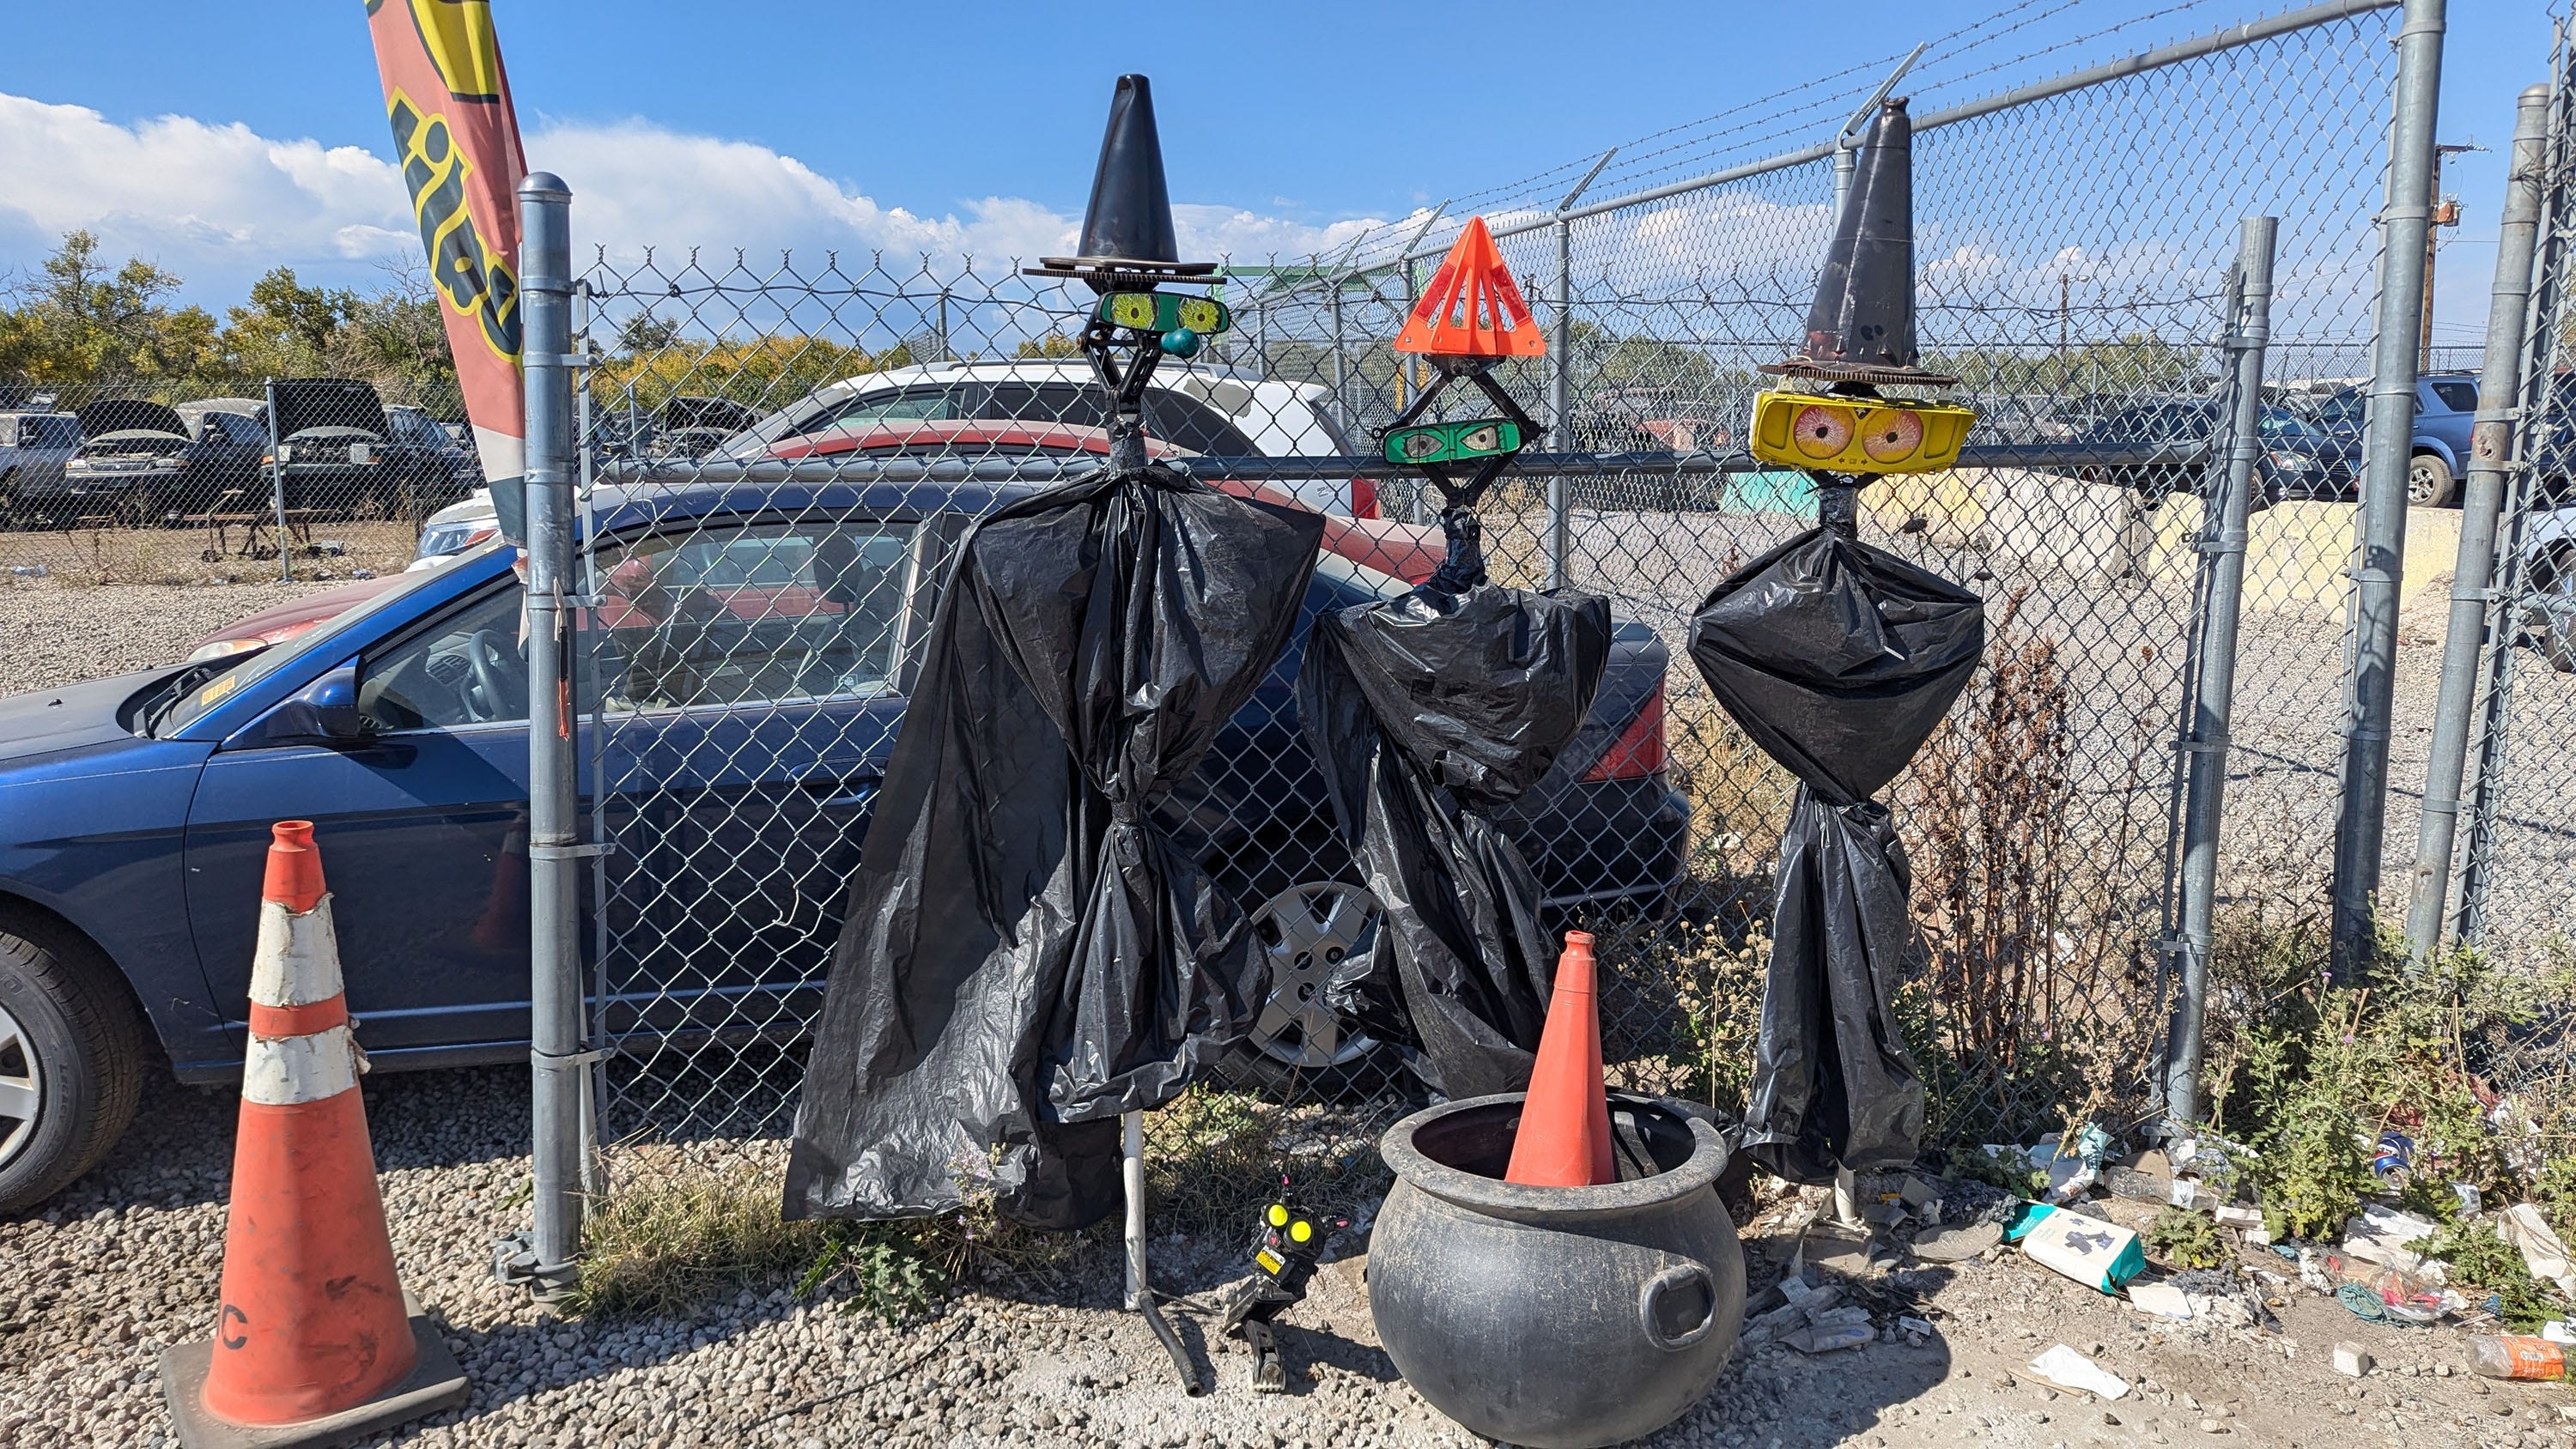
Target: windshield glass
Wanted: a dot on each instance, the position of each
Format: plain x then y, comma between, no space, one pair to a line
206,690
2283,423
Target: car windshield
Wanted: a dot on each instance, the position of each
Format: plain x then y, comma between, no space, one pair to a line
204,686
2283,423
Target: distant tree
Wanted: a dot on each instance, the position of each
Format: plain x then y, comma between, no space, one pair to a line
1054,344
644,332
76,321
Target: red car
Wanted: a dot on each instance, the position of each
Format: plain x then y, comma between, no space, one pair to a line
1409,551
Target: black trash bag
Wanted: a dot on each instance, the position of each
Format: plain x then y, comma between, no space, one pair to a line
1840,660
1428,714
1030,949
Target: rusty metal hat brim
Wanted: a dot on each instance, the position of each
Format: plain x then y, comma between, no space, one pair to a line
1868,372
1124,268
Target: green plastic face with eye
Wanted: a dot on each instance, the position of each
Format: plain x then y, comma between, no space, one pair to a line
1161,312
1463,442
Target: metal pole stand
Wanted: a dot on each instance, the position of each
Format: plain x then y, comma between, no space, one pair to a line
1140,1288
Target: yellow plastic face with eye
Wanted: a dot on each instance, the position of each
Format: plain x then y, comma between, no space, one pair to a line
1164,311
1857,435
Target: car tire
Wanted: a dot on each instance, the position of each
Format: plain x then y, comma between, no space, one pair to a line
71,1061
1299,1048
2429,483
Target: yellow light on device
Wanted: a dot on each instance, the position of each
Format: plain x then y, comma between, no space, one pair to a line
1857,435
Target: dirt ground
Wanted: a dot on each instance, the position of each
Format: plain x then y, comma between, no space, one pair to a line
92,1288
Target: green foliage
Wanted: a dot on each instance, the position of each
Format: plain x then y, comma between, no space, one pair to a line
664,1243
2012,1173
2182,1238
2310,1073
1052,345
888,1274
2479,1257
82,324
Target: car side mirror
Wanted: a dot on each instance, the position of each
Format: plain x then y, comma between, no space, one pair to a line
324,712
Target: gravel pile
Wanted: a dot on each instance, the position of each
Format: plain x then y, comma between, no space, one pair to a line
92,1287
56,633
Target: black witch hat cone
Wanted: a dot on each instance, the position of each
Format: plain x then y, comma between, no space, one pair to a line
1861,328
1127,229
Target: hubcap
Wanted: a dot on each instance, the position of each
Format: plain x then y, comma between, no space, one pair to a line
22,1087
1305,932
2419,484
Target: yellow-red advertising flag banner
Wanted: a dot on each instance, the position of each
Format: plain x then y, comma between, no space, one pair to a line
457,139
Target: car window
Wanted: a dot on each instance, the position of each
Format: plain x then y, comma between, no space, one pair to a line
912,404
56,432
467,668
1185,422
2459,397
809,609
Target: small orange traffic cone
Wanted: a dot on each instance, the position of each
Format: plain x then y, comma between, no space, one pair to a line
313,1341
1564,1136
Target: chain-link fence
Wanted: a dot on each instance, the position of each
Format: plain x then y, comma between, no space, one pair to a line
2518,853
185,481
780,454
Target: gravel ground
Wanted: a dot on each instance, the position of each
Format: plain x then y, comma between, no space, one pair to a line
125,1263
60,632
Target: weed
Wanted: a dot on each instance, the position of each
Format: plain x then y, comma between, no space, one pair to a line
2480,1257
2182,1238
665,1242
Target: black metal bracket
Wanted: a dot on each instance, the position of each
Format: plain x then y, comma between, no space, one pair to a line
1464,566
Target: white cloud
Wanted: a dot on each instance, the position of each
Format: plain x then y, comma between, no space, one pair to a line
219,203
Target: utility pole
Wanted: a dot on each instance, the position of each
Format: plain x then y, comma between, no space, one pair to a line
2446,212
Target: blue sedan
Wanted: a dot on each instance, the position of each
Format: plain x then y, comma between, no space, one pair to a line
750,648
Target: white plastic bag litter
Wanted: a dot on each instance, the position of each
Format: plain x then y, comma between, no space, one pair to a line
2068,1369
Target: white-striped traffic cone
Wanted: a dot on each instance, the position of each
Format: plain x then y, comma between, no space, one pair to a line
313,1341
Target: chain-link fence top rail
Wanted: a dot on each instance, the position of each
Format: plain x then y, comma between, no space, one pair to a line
749,666
171,481
2515,901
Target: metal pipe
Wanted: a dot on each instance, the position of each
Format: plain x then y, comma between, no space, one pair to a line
2222,546
2405,217
1560,412
1341,368
1847,141
554,859
277,483
2481,508
2053,457
2177,53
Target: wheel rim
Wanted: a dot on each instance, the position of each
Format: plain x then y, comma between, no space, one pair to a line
1305,932
2419,483
22,1087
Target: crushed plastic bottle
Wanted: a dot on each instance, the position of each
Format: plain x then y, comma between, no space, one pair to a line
2514,1356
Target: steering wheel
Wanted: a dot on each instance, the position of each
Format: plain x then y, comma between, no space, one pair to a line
499,677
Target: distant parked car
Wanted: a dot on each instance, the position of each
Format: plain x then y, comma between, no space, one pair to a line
1209,412
2297,461
2446,405
414,427
2549,563
338,453
144,464
34,446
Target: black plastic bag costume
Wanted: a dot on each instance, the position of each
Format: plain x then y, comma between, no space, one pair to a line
1029,951
1839,659
1428,714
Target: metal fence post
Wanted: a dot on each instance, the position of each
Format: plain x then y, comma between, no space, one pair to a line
1560,413
1341,365
2481,507
2214,670
548,1260
2362,811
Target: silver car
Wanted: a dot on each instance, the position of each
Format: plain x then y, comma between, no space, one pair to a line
2549,564
33,449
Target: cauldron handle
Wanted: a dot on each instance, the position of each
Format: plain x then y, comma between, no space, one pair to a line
1650,1296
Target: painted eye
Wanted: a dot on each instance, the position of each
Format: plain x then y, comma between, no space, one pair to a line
1200,315
1421,445
1891,435
1278,1215
1300,1231
1486,439
1822,432
1132,309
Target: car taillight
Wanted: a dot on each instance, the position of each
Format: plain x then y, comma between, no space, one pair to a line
1639,750
1364,498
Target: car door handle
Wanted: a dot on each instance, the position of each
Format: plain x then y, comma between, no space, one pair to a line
832,793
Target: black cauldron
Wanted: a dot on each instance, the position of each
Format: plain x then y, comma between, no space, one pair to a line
1556,1317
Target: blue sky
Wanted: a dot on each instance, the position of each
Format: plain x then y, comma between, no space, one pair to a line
977,123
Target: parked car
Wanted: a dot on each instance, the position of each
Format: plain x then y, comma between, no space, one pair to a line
2446,406
1408,551
760,643
144,463
338,454
1204,411
2297,461
2549,565
34,446
414,427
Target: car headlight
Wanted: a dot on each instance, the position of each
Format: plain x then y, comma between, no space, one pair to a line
285,454
169,461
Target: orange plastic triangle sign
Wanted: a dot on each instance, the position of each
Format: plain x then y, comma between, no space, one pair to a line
1472,308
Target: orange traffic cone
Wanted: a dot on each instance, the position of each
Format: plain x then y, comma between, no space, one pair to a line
313,1341
1564,1137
